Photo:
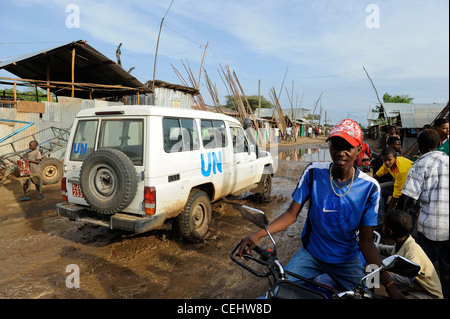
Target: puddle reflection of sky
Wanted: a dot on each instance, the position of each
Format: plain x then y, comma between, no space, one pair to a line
306,155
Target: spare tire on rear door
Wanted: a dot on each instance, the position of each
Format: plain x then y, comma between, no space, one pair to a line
108,181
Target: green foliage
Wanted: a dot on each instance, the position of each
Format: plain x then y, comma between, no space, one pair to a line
387,98
27,95
311,117
253,100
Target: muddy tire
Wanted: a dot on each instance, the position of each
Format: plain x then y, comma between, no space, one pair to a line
51,170
108,181
265,189
193,223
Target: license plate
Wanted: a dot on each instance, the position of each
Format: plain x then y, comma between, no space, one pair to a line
76,191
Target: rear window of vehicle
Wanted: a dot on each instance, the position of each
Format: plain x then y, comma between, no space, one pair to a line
84,140
213,133
180,135
124,135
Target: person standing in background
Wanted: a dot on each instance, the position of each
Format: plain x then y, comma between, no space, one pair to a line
442,128
33,158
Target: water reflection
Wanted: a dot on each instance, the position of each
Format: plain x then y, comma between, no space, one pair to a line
306,155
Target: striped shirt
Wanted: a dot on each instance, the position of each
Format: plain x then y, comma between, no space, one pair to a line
428,182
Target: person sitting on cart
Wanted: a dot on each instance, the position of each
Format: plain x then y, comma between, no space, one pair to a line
342,200
33,158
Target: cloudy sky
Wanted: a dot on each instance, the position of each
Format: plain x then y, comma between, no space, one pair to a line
320,45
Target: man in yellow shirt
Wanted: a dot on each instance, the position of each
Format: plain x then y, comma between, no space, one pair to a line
398,167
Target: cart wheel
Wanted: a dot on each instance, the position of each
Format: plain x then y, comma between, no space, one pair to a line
51,170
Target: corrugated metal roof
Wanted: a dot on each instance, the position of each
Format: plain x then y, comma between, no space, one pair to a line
90,67
417,118
372,116
394,109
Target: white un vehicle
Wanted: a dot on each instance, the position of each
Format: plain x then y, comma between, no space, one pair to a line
135,168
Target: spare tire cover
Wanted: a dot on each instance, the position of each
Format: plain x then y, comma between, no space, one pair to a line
108,181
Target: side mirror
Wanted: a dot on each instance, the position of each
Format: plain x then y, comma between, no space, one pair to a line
400,265
255,216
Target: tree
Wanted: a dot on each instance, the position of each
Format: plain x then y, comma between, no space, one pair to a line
253,100
387,98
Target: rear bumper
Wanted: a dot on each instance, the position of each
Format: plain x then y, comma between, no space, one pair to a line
128,222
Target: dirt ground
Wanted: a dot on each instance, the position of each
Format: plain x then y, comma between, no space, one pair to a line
37,246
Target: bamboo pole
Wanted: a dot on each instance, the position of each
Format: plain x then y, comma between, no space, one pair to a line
201,65
154,63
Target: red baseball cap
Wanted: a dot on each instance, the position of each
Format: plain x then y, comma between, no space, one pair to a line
348,130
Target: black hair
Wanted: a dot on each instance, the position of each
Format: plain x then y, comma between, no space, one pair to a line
387,151
399,222
392,140
428,140
440,121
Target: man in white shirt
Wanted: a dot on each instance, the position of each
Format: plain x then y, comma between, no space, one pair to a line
428,183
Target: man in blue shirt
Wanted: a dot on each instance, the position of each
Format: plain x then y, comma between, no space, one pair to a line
342,200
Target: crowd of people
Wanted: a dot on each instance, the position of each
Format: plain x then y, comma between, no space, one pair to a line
291,133
407,199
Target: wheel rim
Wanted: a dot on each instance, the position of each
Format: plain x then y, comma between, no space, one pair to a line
50,171
103,180
199,215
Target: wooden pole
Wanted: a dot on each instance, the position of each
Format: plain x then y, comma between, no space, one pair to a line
201,65
156,53
15,95
259,98
49,99
154,63
65,84
73,72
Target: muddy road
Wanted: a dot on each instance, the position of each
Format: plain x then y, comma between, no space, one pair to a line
37,247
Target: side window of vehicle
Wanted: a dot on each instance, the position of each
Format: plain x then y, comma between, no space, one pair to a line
213,133
180,135
84,140
240,143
